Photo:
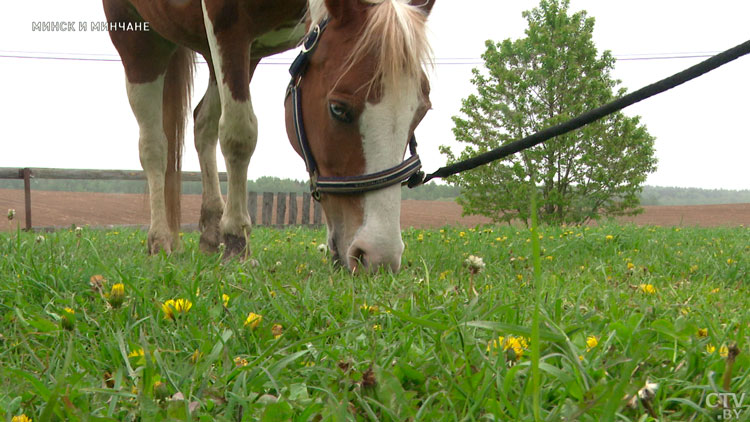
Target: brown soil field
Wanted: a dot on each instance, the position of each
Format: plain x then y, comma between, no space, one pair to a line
55,209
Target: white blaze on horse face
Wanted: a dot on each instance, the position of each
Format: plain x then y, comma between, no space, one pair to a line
385,132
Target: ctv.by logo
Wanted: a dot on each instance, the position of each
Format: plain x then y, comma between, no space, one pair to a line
731,404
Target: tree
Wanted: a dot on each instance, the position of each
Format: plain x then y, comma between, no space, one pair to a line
551,75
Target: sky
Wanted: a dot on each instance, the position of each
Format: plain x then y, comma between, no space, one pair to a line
75,114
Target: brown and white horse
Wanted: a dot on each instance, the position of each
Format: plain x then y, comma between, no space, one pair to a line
364,93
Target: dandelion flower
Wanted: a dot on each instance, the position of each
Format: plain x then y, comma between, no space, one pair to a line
631,266
117,295
647,288
136,353
253,320
172,307
517,345
723,351
710,348
377,327
160,391
239,361
372,309
591,342
225,299
609,237
68,319
21,418
702,332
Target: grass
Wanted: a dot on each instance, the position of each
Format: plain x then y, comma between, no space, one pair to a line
620,306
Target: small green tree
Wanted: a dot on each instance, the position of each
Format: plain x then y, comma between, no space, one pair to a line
551,75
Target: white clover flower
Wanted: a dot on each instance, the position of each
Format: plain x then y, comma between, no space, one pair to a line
40,239
79,231
11,214
322,248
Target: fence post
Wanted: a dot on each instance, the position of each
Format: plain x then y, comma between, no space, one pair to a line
26,174
292,208
280,208
317,214
267,208
306,197
252,206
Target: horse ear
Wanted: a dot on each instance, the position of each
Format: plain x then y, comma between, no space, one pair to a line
425,5
339,9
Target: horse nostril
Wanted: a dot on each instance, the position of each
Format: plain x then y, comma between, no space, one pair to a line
357,259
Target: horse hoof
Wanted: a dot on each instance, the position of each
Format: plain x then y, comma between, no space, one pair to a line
234,246
156,244
209,244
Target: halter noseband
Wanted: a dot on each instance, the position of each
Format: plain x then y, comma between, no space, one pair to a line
402,173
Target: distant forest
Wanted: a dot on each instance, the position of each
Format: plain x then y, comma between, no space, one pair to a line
651,195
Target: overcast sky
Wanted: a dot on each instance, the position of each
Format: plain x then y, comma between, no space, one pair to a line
75,114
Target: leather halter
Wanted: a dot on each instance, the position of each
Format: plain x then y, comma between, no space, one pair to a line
402,173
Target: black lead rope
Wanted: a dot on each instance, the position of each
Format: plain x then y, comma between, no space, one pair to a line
590,116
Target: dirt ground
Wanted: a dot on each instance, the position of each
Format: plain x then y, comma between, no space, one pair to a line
99,209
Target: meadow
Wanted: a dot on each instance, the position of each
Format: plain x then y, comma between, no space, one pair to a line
618,322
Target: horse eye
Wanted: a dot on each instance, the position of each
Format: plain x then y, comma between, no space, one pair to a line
340,112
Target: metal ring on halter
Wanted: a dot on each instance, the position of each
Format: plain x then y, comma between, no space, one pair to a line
314,36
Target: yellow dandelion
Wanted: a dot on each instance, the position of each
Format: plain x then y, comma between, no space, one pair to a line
647,288
702,332
716,290
253,320
519,277
136,353
723,351
116,295
377,327
196,356
730,261
517,345
631,266
21,418
710,348
591,342
580,357
420,237
225,299
461,234
372,309
240,361
168,308
609,237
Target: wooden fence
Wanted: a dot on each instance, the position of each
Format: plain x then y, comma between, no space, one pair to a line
276,209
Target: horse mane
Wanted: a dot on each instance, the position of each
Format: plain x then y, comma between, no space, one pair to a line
396,33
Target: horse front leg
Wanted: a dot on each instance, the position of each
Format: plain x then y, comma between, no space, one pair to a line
238,126
206,132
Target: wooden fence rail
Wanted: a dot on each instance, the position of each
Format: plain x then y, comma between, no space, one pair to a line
284,208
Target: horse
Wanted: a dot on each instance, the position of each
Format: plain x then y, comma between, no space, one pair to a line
351,110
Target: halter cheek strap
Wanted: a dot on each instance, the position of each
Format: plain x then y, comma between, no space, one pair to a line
406,172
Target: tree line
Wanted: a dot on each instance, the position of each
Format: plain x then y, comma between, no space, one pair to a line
651,195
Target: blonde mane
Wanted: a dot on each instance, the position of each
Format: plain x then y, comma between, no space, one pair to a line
396,33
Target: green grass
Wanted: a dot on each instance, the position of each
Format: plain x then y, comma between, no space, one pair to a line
411,346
